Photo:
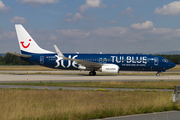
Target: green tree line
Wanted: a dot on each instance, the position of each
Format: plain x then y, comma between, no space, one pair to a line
9,59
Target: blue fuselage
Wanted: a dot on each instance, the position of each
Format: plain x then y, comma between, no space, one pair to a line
132,62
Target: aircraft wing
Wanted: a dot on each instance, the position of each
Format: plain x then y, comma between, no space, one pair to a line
20,55
86,64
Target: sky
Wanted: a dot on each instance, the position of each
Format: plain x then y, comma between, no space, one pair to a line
93,26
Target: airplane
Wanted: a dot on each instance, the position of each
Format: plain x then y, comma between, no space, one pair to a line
106,63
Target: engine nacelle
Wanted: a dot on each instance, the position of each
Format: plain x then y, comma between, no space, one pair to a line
80,67
109,68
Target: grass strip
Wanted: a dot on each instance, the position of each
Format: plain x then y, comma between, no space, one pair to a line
17,104
109,84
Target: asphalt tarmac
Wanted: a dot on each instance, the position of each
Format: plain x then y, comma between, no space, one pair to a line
84,78
169,115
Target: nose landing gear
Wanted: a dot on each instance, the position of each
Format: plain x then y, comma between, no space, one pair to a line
158,73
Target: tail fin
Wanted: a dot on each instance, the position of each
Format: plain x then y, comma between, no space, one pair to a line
26,42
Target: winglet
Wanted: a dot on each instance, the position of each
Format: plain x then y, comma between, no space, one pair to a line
59,52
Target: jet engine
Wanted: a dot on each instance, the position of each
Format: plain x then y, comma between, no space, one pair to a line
80,67
109,68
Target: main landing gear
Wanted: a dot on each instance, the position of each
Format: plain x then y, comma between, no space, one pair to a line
92,73
158,73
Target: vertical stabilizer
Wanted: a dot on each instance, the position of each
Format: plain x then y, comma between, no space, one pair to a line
27,43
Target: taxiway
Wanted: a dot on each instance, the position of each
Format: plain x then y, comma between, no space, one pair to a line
83,78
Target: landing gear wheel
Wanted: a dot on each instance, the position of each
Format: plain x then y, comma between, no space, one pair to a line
158,74
92,73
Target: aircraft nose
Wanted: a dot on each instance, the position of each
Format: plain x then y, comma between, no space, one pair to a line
171,65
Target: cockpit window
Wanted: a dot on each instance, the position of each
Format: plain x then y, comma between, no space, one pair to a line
165,60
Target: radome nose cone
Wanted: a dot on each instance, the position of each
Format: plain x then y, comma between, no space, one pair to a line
172,65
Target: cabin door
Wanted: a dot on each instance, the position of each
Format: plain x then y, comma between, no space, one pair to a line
41,59
156,61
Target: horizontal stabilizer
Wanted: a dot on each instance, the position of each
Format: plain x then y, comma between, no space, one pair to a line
20,55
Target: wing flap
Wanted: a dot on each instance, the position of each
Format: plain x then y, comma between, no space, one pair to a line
85,63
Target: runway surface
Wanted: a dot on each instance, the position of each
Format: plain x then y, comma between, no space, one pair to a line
83,78
170,115
7,78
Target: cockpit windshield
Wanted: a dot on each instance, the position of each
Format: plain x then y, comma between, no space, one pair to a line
165,60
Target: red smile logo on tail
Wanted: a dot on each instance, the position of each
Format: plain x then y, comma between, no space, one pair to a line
22,43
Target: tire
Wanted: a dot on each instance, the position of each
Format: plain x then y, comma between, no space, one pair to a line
91,73
94,73
157,74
